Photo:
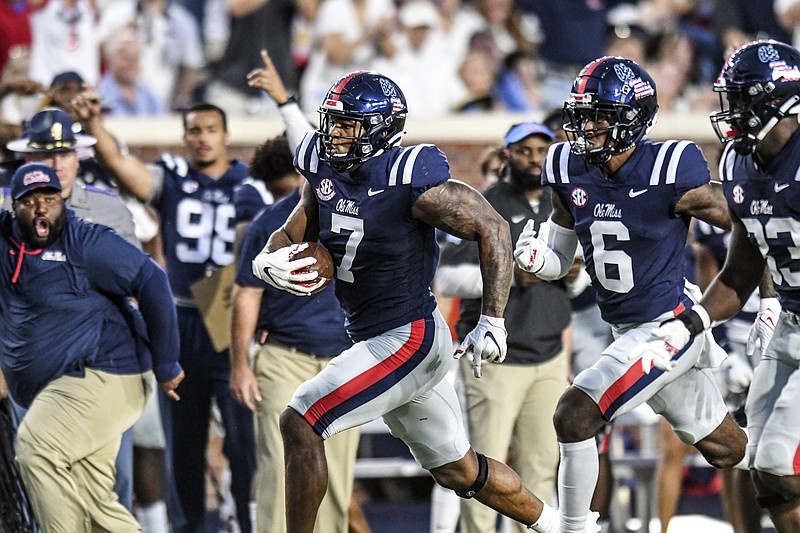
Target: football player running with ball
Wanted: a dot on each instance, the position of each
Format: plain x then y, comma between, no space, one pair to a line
375,206
759,94
628,201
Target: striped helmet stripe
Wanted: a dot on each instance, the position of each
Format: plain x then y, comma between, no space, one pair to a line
336,91
587,73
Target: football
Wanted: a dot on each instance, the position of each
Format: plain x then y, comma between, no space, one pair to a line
323,267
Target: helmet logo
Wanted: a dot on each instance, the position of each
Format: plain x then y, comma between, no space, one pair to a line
642,89
624,72
397,105
767,54
388,88
784,72
325,190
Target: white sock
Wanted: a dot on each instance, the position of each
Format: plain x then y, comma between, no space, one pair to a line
547,522
153,517
577,477
445,510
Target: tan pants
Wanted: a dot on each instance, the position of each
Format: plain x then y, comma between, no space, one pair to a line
66,447
279,372
514,403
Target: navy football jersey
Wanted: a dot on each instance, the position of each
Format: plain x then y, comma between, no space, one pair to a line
632,238
385,258
197,220
768,203
250,198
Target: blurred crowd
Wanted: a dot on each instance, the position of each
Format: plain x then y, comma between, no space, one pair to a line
152,57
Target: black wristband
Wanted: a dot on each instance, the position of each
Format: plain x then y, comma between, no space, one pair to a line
692,321
290,100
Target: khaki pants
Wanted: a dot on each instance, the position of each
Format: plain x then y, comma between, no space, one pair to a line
514,403
66,448
279,372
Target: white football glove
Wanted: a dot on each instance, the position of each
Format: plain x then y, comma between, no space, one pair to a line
530,249
486,341
665,341
737,372
282,272
761,333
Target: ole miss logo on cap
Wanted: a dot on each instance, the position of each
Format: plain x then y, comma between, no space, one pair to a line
35,176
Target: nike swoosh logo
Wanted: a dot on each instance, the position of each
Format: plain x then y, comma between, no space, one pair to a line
489,335
516,219
634,194
266,271
370,192
780,186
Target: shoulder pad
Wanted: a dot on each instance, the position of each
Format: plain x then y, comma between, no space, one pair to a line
556,163
175,164
307,157
430,158
726,162
669,156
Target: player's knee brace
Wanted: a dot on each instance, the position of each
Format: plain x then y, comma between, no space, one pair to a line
480,481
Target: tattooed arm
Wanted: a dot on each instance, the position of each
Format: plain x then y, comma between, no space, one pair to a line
706,203
460,210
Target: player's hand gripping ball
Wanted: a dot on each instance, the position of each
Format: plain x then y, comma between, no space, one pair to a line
324,266
302,269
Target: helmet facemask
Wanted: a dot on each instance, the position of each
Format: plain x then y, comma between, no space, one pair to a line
749,112
371,136
759,85
585,120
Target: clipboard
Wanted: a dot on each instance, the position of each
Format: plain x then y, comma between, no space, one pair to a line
212,295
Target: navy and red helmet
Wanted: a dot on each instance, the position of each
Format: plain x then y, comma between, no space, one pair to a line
612,95
759,85
375,103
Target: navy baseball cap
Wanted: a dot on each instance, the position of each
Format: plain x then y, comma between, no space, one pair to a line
31,177
66,77
523,130
50,130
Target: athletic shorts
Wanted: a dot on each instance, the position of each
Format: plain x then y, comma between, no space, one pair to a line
400,376
773,403
687,396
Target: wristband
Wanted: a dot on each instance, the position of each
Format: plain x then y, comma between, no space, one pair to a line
695,319
290,100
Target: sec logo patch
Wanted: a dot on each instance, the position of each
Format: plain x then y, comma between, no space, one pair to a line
325,190
737,194
579,196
